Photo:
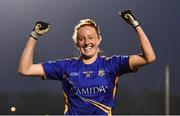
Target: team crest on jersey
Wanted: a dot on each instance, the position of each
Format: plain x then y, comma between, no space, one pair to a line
101,72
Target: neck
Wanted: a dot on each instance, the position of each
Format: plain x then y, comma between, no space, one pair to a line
89,60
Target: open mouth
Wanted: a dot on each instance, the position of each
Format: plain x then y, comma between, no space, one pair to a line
87,51
87,48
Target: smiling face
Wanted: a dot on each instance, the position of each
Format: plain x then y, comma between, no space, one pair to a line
88,42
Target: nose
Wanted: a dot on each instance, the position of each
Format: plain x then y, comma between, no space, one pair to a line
87,41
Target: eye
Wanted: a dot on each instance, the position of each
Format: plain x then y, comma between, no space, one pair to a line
80,39
91,38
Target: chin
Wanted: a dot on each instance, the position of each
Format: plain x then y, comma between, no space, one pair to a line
84,56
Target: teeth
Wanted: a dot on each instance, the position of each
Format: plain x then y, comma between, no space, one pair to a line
87,48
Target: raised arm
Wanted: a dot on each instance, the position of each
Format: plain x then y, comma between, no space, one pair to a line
147,54
26,66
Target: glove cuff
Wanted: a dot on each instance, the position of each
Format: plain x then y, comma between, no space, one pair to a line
135,24
34,35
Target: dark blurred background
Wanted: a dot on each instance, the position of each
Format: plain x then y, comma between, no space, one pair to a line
138,93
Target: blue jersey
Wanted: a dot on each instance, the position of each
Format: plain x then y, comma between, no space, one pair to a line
88,89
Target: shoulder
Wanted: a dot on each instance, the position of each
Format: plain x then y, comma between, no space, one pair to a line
72,59
68,60
62,62
106,58
114,57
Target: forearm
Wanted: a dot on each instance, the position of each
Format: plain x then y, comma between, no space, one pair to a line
26,59
146,48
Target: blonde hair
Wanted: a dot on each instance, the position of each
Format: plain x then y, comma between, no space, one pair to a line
82,23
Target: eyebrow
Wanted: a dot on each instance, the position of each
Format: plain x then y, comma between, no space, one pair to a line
88,35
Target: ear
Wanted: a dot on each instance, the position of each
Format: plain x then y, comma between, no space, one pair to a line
100,39
76,44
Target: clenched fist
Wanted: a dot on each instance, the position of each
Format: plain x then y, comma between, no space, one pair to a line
40,29
129,18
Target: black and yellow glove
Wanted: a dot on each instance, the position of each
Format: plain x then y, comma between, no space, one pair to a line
40,29
129,18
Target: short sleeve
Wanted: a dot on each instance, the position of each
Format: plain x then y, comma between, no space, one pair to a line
53,69
121,64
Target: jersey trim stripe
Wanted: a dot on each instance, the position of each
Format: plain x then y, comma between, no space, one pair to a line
115,86
103,107
66,103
